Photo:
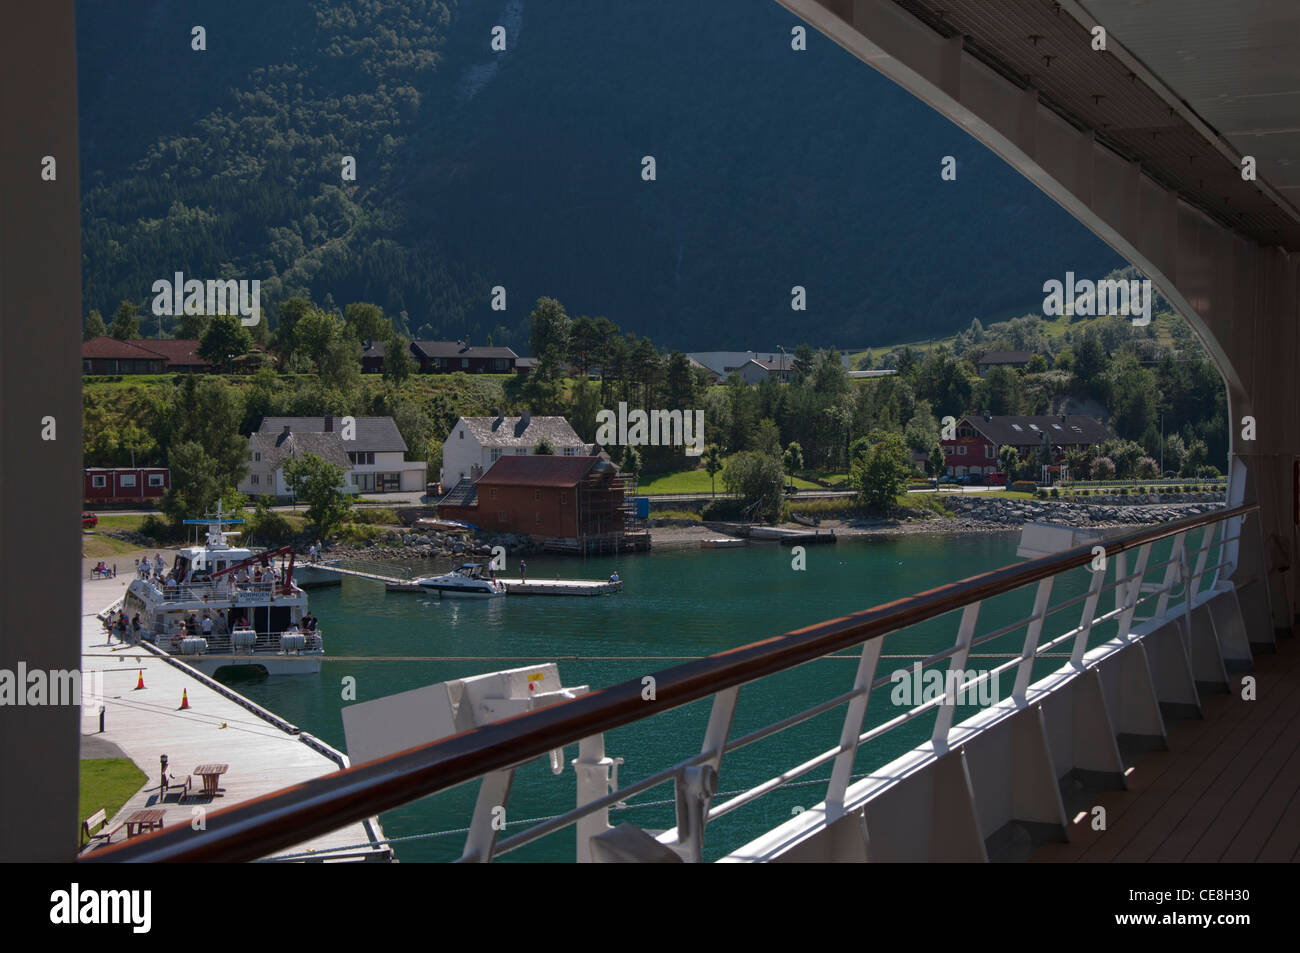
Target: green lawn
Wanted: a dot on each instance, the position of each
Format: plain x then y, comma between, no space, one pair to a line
108,783
693,481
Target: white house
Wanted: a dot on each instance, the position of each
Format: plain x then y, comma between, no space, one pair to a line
374,453
475,443
269,452
757,369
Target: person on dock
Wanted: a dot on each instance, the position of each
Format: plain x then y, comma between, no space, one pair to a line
135,628
523,571
158,564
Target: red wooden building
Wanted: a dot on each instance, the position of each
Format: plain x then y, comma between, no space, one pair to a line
125,484
980,439
570,504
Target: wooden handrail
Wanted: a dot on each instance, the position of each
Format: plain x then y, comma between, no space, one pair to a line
292,815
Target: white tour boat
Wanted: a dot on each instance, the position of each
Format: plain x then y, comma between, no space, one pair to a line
465,581
253,623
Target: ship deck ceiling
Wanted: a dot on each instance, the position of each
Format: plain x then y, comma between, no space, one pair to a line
146,724
1228,788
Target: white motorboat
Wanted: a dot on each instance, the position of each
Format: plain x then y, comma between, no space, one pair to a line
468,580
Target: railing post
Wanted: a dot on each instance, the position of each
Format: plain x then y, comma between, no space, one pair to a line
1206,543
1085,619
697,784
843,769
1025,670
1130,591
1174,571
593,770
489,816
965,632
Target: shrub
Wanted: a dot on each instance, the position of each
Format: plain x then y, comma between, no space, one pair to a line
374,516
1123,491
156,528
1085,492
1023,486
722,510
1056,493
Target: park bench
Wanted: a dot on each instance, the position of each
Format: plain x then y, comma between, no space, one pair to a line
90,823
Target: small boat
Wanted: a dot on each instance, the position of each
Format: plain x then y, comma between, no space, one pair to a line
465,581
721,543
806,520
446,526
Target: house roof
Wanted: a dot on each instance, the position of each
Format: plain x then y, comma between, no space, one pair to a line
460,349
525,362
1067,429
277,448
464,493
1007,357
510,432
374,434
373,349
783,362
547,470
112,348
179,351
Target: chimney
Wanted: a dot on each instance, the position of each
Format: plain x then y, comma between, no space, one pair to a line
329,424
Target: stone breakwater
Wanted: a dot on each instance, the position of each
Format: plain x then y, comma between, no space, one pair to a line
973,512
429,544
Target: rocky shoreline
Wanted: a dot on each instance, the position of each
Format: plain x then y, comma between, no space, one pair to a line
971,513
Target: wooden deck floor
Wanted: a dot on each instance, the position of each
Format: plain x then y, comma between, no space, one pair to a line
147,724
1227,790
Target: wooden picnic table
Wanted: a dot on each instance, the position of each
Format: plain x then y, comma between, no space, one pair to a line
211,775
149,819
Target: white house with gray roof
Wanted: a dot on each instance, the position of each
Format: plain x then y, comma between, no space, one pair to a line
374,453
269,452
475,443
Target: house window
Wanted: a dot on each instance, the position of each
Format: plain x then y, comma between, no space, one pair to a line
1033,427
537,494
126,479
521,451
464,363
961,450
255,479
539,517
571,451
564,497
460,434
501,516
155,479
1017,427
495,455
990,452
98,482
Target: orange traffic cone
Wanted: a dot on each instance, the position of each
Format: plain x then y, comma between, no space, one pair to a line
140,684
185,700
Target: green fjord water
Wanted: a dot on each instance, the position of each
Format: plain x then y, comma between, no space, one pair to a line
674,603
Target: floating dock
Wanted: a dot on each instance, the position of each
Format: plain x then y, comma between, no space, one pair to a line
722,542
515,587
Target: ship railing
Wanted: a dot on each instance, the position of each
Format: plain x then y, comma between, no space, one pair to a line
220,643
212,592
1121,565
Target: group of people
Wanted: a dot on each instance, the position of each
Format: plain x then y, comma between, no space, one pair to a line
124,628
306,624
102,571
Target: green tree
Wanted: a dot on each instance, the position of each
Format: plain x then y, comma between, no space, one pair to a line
712,465
291,312
550,330
767,438
544,448
190,327
882,472
631,463
793,460
126,322
757,479
318,483
195,482
398,363
1009,462
937,462
224,340
366,322
94,326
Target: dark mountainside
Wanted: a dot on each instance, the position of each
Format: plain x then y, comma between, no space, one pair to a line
523,169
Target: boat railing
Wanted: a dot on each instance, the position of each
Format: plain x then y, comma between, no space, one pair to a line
221,643
209,592
1121,566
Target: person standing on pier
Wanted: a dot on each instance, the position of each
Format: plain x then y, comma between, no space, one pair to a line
523,569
